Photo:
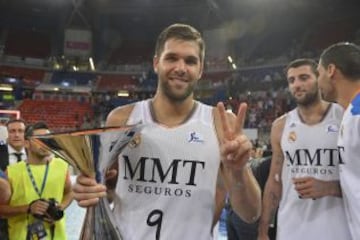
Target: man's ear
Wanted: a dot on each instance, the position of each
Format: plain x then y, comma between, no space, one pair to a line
331,70
155,63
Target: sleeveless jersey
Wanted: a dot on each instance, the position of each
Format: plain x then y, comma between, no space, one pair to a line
349,148
311,151
167,178
25,193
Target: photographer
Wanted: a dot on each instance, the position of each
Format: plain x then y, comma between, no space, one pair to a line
41,190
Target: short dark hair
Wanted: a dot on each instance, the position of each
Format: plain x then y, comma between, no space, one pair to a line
181,32
302,62
345,56
29,131
15,120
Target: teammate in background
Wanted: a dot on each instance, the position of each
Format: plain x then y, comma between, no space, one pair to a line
190,154
304,174
339,81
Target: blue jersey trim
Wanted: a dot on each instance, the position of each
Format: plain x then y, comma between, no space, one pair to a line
355,110
2,175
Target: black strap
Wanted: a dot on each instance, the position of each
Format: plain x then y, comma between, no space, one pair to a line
39,192
52,230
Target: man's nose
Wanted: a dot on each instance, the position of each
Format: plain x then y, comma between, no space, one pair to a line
297,83
180,67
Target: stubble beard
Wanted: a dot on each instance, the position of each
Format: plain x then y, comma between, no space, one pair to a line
174,97
309,99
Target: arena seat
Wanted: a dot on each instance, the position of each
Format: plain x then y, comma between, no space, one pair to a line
59,115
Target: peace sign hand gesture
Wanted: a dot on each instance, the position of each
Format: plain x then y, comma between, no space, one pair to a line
244,192
235,146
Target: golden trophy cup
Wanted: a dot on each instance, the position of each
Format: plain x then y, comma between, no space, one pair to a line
92,152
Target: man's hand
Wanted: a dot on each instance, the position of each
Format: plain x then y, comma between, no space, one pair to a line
309,187
235,146
244,192
87,191
38,207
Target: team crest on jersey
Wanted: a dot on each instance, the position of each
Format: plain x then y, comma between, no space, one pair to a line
332,128
195,137
135,141
292,137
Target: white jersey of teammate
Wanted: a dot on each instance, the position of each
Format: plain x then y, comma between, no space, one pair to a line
167,178
311,150
349,147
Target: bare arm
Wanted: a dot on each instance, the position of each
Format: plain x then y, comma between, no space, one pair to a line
5,191
220,196
273,187
245,195
7,211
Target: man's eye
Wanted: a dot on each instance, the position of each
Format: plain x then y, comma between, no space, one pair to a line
191,62
171,59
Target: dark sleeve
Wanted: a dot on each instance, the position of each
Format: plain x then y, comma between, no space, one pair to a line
261,172
4,157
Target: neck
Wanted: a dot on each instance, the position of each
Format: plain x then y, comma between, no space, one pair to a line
313,113
38,161
171,113
347,91
17,149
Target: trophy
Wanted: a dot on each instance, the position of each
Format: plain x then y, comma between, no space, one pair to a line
92,152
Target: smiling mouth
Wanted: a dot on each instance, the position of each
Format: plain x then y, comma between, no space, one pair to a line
178,79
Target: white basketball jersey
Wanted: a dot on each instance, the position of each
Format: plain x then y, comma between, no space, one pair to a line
167,178
311,151
349,148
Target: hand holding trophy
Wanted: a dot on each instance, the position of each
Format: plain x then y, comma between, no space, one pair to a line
92,152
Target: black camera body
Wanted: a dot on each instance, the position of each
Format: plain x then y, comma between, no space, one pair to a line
53,211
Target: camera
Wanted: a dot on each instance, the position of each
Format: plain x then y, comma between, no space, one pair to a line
53,211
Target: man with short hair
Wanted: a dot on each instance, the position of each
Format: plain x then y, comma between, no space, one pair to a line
303,183
339,81
189,155
41,190
14,150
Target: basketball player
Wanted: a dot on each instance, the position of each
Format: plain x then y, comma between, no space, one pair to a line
168,185
304,178
339,81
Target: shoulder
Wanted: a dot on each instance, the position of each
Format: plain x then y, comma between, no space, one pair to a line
59,162
119,115
3,147
279,123
16,167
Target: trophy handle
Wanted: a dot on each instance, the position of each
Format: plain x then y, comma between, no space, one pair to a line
87,229
103,229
